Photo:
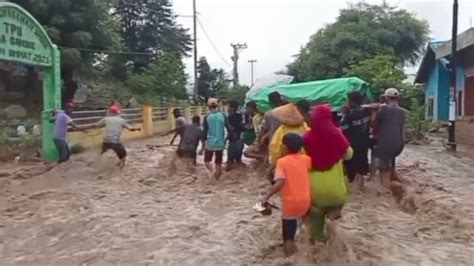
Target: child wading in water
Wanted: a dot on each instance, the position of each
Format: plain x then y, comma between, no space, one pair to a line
292,181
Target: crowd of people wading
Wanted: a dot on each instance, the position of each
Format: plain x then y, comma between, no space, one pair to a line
311,153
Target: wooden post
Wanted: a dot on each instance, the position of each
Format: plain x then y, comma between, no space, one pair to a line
188,113
170,118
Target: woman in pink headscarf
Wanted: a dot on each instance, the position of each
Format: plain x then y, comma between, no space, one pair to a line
328,148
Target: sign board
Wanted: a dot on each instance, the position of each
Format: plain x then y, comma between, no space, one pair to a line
22,39
452,111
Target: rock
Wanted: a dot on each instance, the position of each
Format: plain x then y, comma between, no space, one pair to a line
21,130
132,103
148,182
434,130
4,174
14,111
37,130
82,93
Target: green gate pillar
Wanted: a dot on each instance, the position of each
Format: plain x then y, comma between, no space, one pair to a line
23,40
51,101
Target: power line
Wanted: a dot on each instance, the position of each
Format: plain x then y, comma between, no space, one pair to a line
115,52
212,43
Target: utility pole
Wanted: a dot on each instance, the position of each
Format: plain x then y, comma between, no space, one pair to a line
452,104
252,61
237,48
196,85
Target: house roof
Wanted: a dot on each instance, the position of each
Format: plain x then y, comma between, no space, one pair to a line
428,61
464,39
438,50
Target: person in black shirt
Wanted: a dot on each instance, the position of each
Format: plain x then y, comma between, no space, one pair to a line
355,124
236,144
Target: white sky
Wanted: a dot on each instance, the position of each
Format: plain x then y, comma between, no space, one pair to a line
274,30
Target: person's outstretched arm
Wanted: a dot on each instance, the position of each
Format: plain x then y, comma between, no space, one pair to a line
275,189
74,125
279,178
126,125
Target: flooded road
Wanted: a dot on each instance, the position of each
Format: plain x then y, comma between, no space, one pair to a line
87,211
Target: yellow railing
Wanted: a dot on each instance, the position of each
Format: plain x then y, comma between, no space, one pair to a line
152,120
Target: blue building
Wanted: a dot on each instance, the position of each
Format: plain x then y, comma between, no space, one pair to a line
434,73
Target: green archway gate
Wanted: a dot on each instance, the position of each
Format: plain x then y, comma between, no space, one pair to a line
23,40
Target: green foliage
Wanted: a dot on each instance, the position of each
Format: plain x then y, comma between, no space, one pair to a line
107,89
165,77
211,81
361,32
383,72
116,25
4,139
233,93
410,93
416,121
77,24
23,142
150,27
380,71
74,26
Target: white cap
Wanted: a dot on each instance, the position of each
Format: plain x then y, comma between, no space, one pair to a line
392,93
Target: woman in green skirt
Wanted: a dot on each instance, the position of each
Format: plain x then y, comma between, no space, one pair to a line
328,148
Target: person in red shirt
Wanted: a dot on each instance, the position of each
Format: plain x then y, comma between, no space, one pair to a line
292,181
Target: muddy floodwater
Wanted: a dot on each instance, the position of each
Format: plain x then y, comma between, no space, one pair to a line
87,211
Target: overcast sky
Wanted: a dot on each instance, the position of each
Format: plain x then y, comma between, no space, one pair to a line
274,30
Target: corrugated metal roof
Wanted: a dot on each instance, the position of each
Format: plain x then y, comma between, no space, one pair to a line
465,40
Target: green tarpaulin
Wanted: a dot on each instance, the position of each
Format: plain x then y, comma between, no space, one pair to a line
331,91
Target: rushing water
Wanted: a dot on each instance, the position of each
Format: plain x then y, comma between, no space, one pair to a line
88,212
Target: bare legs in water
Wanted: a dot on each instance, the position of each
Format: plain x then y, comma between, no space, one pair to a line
390,181
217,172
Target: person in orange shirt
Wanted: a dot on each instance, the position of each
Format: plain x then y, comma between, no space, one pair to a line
292,181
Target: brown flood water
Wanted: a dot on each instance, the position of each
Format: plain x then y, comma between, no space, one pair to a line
89,212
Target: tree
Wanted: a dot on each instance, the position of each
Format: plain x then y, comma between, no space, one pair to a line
74,26
164,78
233,93
210,81
360,32
150,27
381,71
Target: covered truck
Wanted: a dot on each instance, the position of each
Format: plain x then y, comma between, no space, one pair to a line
330,91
